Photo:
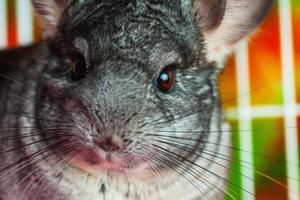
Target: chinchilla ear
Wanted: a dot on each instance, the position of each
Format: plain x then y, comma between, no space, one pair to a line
225,22
49,12
209,13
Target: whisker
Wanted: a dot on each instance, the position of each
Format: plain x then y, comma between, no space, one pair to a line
11,79
195,164
32,163
37,118
30,134
10,167
216,154
31,98
218,131
160,159
69,157
191,171
226,146
31,143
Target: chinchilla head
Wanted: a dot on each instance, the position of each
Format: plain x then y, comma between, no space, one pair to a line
131,85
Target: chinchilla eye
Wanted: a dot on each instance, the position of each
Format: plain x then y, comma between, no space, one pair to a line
165,80
77,67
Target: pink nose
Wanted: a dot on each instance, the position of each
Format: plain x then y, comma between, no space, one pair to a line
110,144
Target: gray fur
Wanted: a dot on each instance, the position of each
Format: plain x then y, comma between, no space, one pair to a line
167,142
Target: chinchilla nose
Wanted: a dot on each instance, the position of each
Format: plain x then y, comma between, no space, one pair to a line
110,144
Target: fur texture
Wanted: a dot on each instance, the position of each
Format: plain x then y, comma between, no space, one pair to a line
84,119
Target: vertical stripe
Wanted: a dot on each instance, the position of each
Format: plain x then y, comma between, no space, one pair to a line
12,28
244,116
3,24
289,97
36,29
24,22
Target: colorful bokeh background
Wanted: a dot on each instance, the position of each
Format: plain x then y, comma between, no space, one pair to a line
266,97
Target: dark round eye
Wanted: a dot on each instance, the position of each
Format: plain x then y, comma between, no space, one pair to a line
77,67
166,79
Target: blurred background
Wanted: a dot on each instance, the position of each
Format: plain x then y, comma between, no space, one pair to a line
260,93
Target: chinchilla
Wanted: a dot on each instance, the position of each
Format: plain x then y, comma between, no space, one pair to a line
120,100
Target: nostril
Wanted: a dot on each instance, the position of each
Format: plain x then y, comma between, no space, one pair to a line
109,144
